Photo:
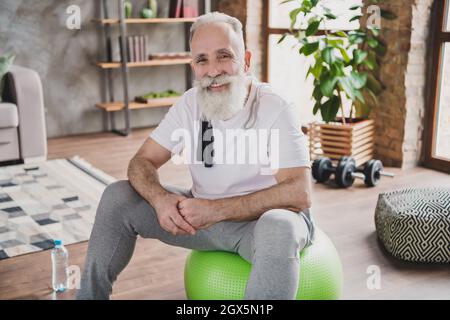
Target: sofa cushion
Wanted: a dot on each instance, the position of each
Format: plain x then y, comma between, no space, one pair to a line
8,115
9,144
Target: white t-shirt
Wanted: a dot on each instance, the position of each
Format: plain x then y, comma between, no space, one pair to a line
250,157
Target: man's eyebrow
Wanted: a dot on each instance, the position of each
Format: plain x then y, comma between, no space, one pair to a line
204,55
199,56
224,50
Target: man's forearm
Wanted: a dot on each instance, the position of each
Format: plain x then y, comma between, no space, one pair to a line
143,176
289,194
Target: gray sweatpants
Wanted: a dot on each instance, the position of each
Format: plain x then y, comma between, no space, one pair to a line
271,243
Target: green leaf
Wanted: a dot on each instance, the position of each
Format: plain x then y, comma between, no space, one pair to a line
389,15
326,9
335,42
327,85
330,109
347,87
356,39
309,48
286,1
371,61
312,28
374,85
328,55
316,70
355,7
316,108
337,68
358,80
361,109
357,33
359,96
357,17
359,56
330,16
373,43
317,94
380,49
372,96
342,34
375,31
303,40
344,54
293,16
282,38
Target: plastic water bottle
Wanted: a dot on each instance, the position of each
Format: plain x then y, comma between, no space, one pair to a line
60,262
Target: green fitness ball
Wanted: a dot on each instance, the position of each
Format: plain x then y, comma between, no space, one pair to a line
220,275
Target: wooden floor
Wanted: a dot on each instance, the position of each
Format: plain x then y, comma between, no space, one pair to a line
156,269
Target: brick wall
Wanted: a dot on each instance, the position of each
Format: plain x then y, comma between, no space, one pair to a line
255,36
250,13
400,116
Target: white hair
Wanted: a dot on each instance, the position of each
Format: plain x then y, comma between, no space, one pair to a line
216,18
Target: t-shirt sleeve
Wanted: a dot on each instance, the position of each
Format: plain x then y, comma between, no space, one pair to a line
166,132
290,148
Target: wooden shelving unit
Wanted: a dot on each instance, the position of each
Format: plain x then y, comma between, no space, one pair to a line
149,63
117,106
112,106
140,21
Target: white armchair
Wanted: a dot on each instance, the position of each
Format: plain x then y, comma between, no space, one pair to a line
22,119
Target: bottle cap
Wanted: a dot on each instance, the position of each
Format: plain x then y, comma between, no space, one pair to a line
58,242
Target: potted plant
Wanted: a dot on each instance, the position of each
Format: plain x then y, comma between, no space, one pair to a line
345,65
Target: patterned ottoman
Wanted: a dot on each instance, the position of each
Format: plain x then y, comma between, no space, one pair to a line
414,224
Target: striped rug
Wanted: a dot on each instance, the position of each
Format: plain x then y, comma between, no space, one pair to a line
55,199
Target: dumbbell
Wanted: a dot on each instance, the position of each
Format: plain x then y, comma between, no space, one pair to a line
373,171
323,168
348,172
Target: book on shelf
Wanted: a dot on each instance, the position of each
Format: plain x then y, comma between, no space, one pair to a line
176,8
169,55
136,47
142,47
190,8
184,8
127,48
137,56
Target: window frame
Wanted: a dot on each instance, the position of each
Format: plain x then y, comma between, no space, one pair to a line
268,31
439,36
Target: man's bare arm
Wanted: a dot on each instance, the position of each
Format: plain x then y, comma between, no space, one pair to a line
143,176
292,192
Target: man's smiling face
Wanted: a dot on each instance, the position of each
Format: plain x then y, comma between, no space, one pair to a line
215,52
219,62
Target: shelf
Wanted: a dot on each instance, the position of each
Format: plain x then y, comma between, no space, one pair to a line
143,21
148,63
154,103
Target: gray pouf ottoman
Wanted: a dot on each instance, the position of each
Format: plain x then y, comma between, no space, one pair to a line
414,224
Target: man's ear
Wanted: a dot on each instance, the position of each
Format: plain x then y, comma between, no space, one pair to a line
248,58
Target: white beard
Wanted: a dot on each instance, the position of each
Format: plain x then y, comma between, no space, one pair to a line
225,104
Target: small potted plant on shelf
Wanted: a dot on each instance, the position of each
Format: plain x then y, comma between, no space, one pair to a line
345,65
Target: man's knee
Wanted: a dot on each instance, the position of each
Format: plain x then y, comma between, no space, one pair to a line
115,198
280,233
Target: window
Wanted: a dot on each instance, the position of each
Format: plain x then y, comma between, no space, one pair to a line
437,151
285,67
